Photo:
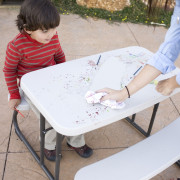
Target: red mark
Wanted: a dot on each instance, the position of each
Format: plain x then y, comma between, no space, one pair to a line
19,112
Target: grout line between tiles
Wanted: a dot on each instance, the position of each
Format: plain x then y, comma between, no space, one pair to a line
7,151
133,34
175,106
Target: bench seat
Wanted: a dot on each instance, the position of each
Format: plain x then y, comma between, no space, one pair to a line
141,161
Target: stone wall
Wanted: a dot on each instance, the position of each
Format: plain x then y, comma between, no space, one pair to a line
116,5
110,5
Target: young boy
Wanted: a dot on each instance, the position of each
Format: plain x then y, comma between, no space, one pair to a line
37,46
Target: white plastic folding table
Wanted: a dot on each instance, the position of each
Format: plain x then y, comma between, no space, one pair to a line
58,93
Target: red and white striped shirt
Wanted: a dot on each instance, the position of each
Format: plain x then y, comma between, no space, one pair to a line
25,54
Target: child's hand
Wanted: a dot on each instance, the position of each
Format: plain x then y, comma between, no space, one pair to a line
167,86
13,103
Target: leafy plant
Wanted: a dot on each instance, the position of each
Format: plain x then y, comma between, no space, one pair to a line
136,13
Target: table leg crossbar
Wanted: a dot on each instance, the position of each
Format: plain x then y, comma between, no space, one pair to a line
140,129
40,159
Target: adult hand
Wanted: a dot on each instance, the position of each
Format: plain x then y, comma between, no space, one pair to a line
118,95
167,86
13,103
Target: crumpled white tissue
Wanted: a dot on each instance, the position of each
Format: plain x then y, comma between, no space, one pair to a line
92,98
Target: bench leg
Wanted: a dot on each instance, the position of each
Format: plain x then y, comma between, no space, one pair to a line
148,132
178,163
42,137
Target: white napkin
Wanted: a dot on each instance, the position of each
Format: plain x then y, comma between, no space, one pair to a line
92,98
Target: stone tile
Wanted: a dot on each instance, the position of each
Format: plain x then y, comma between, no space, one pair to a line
8,31
71,162
171,173
5,121
21,166
69,58
30,128
86,37
8,28
166,114
148,36
116,135
176,101
122,134
2,161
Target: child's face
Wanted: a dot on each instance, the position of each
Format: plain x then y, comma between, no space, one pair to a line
42,36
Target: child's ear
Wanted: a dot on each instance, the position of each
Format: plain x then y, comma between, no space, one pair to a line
29,32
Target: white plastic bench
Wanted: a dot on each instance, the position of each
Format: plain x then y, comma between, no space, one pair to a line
141,161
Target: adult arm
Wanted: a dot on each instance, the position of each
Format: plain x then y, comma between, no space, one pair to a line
161,62
165,57
147,74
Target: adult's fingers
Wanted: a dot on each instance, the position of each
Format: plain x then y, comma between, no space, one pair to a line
106,97
106,90
160,87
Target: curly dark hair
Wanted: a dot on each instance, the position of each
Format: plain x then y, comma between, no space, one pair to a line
37,14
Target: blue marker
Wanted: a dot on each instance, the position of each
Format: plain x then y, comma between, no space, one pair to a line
98,60
137,71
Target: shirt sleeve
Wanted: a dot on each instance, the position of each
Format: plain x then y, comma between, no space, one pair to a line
164,58
59,56
10,70
178,78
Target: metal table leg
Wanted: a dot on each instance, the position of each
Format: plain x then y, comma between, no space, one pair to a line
148,132
40,160
59,139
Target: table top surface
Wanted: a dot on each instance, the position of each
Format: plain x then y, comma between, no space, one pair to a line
58,91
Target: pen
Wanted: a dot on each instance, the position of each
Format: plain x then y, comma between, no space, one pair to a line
137,70
19,112
98,60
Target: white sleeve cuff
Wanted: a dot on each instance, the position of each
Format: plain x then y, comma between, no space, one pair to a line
162,63
178,78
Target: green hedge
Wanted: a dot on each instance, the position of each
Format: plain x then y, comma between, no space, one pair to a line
136,13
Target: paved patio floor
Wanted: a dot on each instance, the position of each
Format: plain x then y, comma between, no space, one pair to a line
79,37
